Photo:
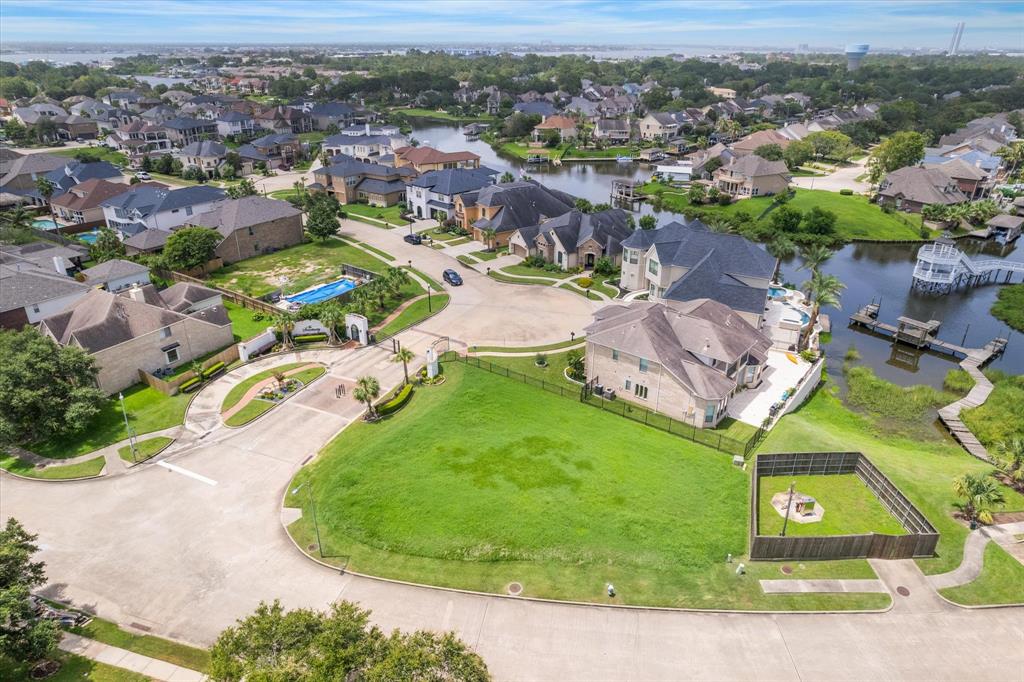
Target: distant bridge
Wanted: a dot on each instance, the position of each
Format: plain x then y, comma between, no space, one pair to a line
942,268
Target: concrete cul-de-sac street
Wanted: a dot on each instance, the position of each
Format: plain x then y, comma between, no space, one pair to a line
186,545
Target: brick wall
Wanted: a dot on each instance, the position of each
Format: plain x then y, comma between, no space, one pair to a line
248,242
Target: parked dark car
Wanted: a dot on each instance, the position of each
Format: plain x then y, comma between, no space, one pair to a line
452,277
413,238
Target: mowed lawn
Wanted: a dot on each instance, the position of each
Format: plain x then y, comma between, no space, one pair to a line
295,268
850,508
459,489
856,217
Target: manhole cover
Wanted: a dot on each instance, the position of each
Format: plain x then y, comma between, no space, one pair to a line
787,570
515,589
902,591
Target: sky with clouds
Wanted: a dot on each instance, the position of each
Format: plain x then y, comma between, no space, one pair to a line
787,23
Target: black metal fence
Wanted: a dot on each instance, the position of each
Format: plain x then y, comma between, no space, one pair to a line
623,408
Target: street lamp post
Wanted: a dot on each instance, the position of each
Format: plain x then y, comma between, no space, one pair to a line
128,429
572,337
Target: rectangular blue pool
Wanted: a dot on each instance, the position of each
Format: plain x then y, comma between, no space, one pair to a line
324,292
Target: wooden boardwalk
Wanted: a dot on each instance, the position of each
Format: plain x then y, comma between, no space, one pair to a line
950,414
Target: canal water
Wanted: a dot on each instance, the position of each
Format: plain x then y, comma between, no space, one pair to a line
871,272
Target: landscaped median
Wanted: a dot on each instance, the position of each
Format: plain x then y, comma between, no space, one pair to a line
264,391
456,490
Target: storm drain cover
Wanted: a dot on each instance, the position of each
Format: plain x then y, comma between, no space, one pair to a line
902,591
515,589
787,570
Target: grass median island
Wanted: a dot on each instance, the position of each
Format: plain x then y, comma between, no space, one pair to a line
850,508
417,311
238,391
15,465
496,275
457,490
148,410
257,405
144,449
529,349
1001,581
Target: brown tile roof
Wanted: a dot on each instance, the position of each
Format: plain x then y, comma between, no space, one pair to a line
428,155
556,123
89,194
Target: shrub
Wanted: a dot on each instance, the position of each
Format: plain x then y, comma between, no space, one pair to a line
534,261
724,199
397,402
552,267
846,192
808,355
585,282
310,338
213,369
541,360
190,385
258,316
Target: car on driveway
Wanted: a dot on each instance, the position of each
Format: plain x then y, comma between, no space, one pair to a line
413,238
143,175
452,277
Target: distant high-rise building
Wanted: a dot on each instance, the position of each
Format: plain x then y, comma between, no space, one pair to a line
803,48
854,55
954,44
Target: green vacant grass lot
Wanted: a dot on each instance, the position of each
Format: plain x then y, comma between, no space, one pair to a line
440,115
850,508
856,217
456,490
148,410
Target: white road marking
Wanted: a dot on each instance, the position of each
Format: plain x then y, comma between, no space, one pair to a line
186,472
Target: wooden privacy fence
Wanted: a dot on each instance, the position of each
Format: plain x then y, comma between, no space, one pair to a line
920,540
170,386
233,296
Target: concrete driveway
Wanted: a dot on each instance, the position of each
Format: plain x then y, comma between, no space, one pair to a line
186,551
483,311
842,178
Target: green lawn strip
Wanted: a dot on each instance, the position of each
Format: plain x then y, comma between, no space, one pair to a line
416,312
735,429
380,252
304,265
434,284
488,255
239,390
856,217
171,179
437,246
457,491
1001,581
599,286
308,375
144,449
252,409
146,645
283,194
459,240
528,349
576,290
922,468
148,410
242,324
73,669
313,138
441,115
1001,418
496,274
606,153
438,234
390,214
466,260
850,508
520,269
90,467
1009,306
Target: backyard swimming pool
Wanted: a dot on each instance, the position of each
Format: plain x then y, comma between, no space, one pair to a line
44,224
88,237
323,292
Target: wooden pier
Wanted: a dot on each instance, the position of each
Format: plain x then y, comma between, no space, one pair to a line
624,194
922,335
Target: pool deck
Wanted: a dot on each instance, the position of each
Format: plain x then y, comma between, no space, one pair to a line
752,405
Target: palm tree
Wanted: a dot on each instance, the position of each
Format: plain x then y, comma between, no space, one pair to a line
46,190
822,290
717,223
1013,155
396,278
284,322
366,391
17,226
979,494
1009,457
331,316
362,300
404,356
507,177
814,257
489,233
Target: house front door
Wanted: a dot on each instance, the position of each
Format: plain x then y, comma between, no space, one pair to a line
590,261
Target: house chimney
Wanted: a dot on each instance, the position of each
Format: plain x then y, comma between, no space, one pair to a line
58,265
135,293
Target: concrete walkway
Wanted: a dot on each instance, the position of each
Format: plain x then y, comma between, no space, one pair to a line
113,466
128,660
974,554
823,585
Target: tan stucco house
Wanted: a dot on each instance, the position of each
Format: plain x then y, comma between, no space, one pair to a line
752,176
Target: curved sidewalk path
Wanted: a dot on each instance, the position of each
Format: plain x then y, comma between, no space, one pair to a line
974,554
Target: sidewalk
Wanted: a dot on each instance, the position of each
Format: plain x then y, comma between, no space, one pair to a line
128,660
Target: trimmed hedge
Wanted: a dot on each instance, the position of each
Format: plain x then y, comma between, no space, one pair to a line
310,338
846,192
397,402
190,385
213,369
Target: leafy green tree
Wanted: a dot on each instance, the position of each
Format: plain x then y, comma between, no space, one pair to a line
165,164
48,389
404,356
823,290
575,361
819,221
584,205
23,635
831,144
332,315
604,266
797,153
1012,154
190,247
648,222
322,220
785,219
367,390
898,151
244,188
696,194
1009,457
979,495
45,130
284,323
107,246
712,165
770,152
489,234
46,190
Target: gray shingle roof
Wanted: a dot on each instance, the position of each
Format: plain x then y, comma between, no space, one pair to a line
27,284
522,204
148,240
452,181
204,148
921,185
149,200
236,214
573,229
113,269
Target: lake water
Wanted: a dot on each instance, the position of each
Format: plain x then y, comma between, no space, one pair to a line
869,271
162,80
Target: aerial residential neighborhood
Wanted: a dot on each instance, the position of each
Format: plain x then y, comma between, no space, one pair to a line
645,341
